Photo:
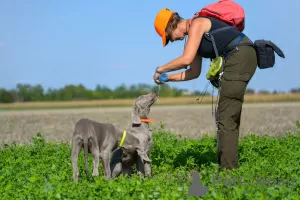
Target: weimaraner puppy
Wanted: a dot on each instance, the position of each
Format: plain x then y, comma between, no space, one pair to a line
140,129
100,139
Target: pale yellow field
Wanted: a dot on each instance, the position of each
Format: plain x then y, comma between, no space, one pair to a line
188,120
162,101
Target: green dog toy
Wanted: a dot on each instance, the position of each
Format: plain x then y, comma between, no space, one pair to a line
215,66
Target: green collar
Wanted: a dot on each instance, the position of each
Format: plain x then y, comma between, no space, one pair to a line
123,138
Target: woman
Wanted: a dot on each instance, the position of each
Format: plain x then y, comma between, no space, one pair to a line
240,65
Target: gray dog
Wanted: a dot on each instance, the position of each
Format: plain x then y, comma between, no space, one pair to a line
121,161
100,139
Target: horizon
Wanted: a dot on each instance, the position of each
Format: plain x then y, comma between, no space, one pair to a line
127,86
61,43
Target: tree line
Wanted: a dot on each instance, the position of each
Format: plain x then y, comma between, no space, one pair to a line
29,93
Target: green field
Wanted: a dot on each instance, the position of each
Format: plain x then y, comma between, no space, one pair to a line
42,170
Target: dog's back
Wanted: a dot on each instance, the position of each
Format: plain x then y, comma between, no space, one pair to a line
106,135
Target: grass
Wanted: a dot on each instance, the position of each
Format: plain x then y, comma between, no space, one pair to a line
257,98
42,170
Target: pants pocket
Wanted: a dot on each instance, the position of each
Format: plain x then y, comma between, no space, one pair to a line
233,89
241,64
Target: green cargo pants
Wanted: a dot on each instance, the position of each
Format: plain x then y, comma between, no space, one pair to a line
239,67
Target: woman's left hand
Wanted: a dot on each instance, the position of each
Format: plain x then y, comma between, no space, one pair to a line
155,78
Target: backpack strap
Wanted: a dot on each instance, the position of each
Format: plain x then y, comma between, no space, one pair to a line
211,37
214,31
222,29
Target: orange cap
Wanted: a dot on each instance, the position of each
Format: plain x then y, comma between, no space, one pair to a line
160,23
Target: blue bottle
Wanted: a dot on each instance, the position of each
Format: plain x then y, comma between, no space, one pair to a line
163,77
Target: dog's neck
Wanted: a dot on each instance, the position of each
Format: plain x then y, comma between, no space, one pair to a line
144,122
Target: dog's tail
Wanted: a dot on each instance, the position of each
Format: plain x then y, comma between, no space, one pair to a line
85,148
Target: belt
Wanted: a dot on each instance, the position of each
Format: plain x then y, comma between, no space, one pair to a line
235,43
238,39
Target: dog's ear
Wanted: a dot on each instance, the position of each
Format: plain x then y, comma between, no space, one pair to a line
135,118
143,155
116,162
116,156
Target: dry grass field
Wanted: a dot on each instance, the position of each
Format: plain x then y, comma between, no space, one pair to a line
257,98
188,120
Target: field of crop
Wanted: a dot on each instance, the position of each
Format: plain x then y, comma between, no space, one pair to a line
257,98
190,120
183,143
269,169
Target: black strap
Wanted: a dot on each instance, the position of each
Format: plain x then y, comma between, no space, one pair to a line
210,37
222,29
237,45
216,30
213,43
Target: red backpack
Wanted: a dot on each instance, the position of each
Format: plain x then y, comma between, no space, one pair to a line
227,11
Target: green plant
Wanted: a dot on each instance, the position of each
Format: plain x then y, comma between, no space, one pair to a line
298,124
43,170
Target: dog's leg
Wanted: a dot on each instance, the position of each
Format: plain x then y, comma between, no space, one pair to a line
96,156
147,168
105,162
139,166
94,149
76,147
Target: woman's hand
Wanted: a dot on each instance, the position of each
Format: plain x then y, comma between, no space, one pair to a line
156,76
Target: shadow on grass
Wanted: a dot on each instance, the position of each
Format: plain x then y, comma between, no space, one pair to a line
183,152
194,157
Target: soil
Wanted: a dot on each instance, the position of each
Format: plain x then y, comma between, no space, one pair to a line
190,121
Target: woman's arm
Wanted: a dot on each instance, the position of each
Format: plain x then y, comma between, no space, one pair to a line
197,29
192,73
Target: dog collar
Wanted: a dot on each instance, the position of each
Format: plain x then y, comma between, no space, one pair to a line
147,120
123,138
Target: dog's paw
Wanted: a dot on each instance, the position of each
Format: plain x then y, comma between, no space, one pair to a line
75,177
140,174
148,175
107,178
95,173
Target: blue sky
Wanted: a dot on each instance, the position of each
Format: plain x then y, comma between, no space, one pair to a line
54,43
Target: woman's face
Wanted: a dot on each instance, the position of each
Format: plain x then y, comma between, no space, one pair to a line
176,34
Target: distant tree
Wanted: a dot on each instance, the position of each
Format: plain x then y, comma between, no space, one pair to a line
250,91
295,90
26,92
199,93
263,92
6,96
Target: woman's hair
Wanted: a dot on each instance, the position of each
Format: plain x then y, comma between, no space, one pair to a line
172,25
